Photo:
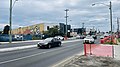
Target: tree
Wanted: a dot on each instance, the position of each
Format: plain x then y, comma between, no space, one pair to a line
6,29
52,31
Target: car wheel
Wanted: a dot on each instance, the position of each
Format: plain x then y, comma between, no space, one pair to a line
49,46
59,44
38,46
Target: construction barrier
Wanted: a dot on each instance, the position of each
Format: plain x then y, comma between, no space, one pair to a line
102,41
98,50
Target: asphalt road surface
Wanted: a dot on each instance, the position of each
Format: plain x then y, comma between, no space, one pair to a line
34,57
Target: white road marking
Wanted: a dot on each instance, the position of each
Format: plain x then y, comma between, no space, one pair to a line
30,46
67,59
34,55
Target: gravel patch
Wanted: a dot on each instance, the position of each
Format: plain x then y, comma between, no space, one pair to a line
92,61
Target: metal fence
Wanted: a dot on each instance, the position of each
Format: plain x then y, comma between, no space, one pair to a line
5,38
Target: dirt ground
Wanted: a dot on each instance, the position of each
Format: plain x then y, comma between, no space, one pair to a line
93,61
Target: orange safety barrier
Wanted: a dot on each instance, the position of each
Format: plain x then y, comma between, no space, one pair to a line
102,41
98,50
87,48
65,38
114,41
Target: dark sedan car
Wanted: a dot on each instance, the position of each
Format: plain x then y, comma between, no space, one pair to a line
49,42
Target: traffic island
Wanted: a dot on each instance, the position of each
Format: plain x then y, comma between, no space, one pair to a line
90,61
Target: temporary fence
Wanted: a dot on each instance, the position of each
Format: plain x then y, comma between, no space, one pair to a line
99,50
102,41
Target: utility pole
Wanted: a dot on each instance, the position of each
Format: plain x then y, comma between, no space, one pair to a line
83,25
117,26
66,20
82,28
111,19
10,22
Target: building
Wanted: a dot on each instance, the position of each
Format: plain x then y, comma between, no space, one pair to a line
40,28
77,31
63,28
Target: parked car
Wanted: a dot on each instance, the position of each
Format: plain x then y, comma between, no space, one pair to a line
49,42
89,40
59,37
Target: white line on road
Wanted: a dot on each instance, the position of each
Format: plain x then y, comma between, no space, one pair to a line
66,60
34,55
30,46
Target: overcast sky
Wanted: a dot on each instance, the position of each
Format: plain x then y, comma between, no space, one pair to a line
30,12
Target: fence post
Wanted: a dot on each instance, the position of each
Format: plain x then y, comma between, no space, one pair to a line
85,49
113,51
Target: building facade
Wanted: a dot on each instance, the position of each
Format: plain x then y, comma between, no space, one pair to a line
40,28
78,31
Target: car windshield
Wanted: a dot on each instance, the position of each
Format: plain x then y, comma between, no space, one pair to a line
48,39
89,37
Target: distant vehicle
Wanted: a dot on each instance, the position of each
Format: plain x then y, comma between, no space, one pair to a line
49,42
88,40
106,35
82,36
78,37
59,37
94,36
101,37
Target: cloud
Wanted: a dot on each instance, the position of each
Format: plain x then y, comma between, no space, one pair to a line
37,11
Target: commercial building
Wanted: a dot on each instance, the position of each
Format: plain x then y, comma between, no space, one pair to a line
77,31
40,28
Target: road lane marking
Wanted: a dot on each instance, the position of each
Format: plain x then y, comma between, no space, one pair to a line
66,59
30,46
35,55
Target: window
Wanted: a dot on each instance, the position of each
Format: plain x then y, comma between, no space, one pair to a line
48,28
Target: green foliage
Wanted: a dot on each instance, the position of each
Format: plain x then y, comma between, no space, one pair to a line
108,43
52,31
119,39
35,38
6,30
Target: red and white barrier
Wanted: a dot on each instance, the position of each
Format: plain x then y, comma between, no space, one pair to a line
98,50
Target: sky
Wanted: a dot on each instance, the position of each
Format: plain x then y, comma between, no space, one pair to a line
30,12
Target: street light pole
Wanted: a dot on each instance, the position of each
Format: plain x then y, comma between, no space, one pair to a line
66,20
110,8
10,21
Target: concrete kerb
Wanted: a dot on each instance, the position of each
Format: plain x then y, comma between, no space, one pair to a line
20,41
67,60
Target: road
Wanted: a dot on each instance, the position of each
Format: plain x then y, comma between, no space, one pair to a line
35,57
23,43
